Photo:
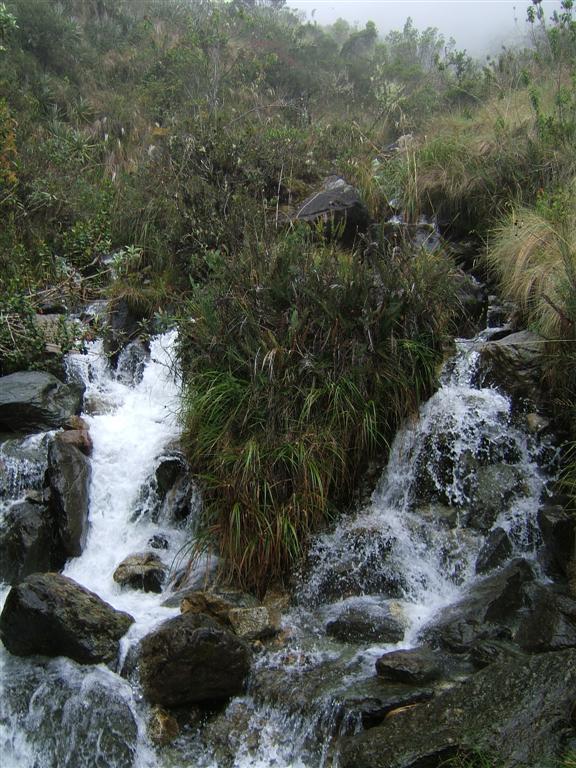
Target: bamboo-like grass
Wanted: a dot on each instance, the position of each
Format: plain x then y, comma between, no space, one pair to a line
299,362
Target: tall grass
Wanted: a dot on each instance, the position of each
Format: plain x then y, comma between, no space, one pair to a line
300,360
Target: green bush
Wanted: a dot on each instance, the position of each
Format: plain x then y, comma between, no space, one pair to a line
299,362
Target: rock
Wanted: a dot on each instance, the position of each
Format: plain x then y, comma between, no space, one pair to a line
337,204
144,570
491,611
50,614
23,463
550,624
27,542
472,301
162,727
536,423
372,700
68,480
254,623
415,666
366,623
495,487
170,494
32,401
217,604
496,550
558,529
518,710
132,361
514,363
486,652
158,541
191,659
79,438
76,422
123,325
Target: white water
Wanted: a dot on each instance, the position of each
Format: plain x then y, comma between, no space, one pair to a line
409,551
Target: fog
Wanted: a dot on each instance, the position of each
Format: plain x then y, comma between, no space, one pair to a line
480,26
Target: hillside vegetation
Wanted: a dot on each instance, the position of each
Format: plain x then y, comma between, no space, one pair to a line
152,151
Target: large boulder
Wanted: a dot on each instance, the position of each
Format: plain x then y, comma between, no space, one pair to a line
144,570
416,666
520,710
192,659
550,624
558,528
32,401
27,542
367,623
68,480
52,615
338,206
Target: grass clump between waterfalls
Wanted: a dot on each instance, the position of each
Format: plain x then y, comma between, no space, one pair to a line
300,359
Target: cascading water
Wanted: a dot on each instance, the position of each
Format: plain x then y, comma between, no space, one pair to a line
466,466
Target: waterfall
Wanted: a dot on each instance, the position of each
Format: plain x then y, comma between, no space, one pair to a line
408,554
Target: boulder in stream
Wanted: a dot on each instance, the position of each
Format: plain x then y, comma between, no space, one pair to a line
192,659
27,542
550,624
519,710
33,401
496,550
52,615
514,364
144,571
68,480
367,622
416,666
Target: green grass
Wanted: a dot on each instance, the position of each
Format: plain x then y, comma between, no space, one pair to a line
300,360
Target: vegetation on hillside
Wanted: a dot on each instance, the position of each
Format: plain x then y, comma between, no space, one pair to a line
151,150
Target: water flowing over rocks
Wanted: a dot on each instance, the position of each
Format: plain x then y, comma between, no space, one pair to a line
50,614
518,710
192,659
31,401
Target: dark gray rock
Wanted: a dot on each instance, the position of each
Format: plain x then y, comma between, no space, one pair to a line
158,541
496,550
52,615
144,570
514,364
558,528
373,699
416,666
368,623
32,401
550,624
494,488
68,480
518,710
132,361
27,542
337,205
170,495
192,659
491,611
123,325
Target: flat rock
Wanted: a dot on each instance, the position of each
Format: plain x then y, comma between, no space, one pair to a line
32,401
52,615
192,659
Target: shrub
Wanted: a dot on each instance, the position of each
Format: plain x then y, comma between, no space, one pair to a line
299,361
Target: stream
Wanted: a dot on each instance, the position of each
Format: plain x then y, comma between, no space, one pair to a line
407,554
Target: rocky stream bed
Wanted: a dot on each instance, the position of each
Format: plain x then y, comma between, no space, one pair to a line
438,618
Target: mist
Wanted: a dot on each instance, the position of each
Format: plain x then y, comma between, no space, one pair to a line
479,26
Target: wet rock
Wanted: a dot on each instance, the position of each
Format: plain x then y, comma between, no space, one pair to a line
254,623
32,401
372,700
162,727
496,486
123,325
132,362
518,710
415,666
472,298
27,546
170,494
217,603
536,423
23,463
486,652
144,570
558,528
68,480
550,624
79,438
496,550
337,204
192,659
514,364
367,623
76,422
491,611
158,541
50,614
